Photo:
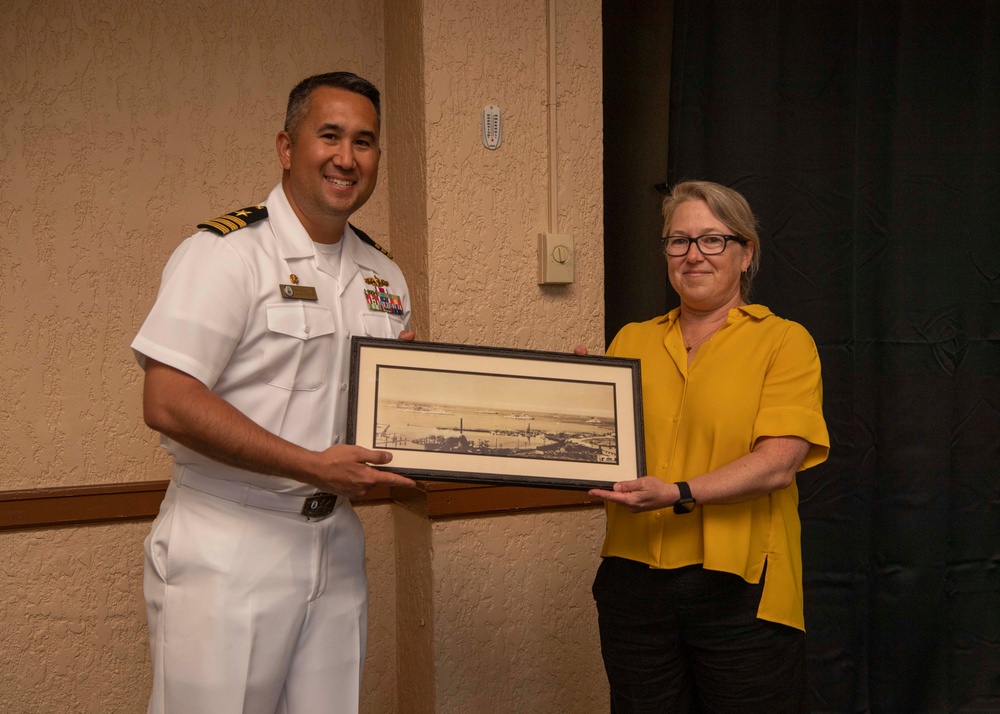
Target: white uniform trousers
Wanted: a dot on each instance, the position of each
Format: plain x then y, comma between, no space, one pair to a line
253,611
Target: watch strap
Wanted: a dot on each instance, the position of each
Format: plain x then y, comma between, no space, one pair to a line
685,504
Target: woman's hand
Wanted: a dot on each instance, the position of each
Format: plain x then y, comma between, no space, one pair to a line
769,467
642,494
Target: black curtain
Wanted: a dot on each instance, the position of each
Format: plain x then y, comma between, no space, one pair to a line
636,109
866,135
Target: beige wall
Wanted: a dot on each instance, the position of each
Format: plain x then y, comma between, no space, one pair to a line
514,621
515,628
122,126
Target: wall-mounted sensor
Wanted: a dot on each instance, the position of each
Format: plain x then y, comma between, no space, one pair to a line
492,127
555,258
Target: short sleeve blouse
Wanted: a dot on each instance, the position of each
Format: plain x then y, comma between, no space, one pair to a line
758,376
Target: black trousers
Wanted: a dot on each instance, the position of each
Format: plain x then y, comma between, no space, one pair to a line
688,640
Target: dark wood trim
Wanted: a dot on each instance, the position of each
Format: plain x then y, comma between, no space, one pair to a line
452,500
73,505
140,500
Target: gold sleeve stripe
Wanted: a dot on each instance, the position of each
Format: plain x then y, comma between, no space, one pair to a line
220,228
233,221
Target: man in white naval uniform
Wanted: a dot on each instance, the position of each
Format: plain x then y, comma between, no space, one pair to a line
255,583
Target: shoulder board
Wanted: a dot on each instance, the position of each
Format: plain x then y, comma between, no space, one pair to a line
368,239
235,220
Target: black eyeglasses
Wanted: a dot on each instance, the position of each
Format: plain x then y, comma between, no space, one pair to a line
712,244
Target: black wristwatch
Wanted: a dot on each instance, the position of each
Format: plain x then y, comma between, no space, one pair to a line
684,504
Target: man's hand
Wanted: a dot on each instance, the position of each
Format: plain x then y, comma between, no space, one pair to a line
642,494
408,335
349,470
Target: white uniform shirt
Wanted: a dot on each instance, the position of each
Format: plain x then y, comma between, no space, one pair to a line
220,317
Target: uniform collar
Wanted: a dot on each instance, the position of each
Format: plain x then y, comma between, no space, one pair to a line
294,242
291,236
363,255
356,257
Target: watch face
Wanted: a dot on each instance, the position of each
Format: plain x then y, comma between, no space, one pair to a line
684,505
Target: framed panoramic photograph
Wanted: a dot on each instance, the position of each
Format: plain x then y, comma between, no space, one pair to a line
495,415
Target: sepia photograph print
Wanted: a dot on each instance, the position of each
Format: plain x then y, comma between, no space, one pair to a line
458,413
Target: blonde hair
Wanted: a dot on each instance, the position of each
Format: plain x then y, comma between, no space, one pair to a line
729,207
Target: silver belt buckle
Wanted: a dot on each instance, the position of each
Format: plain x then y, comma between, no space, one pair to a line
319,505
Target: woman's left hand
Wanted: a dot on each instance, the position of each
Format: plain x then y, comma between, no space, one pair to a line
642,494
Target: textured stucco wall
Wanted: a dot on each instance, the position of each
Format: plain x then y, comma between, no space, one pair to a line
380,682
515,626
74,625
486,208
514,622
123,125
404,84
414,613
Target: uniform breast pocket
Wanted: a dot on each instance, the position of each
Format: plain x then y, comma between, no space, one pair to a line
298,346
381,324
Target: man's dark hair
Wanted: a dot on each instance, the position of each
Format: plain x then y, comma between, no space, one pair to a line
298,98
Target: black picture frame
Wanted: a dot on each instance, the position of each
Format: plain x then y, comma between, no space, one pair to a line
492,415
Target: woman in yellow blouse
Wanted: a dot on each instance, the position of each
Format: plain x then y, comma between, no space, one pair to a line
699,594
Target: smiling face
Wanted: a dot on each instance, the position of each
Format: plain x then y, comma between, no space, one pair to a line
705,282
331,164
